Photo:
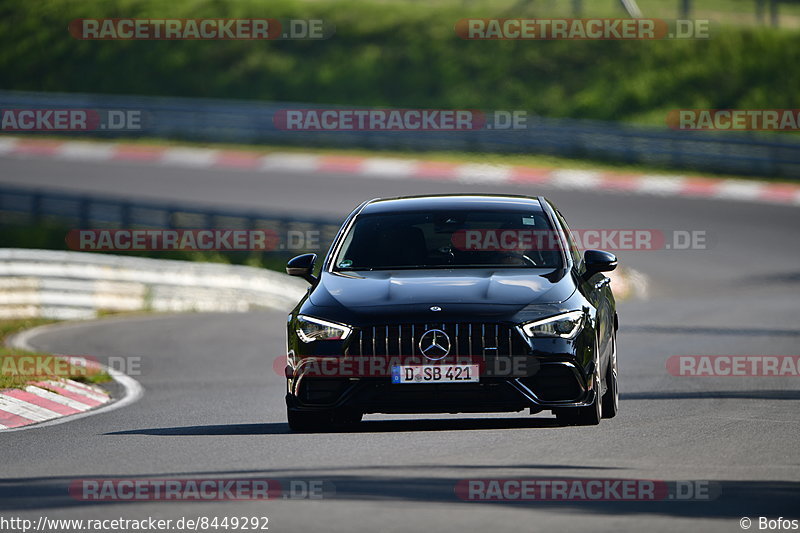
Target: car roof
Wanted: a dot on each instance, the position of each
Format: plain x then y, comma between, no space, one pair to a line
483,202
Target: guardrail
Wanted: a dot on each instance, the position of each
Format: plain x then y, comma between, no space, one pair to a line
75,285
252,122
32,207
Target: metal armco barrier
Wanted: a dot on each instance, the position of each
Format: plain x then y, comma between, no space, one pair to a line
242,121
76,285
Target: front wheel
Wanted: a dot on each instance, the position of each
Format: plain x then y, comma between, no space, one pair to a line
582,416
611,397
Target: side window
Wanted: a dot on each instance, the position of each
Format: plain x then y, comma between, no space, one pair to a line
573,248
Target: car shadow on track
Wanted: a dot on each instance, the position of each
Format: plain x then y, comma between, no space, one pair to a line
712,394
368,426
731,499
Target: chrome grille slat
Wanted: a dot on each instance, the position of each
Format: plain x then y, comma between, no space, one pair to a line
504,342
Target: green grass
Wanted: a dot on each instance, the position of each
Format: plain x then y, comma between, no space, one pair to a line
12,374
406,54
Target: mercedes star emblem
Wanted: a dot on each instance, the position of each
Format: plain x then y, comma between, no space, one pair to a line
434,344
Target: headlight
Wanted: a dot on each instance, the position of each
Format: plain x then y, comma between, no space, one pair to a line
315,329
565,326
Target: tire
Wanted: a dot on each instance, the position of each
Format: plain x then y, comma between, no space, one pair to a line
582,416
611,397
308,421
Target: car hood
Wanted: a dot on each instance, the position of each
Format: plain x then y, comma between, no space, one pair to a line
508,287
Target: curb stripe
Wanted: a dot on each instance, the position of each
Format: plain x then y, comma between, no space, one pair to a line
435,169
10,420
25,409
489,174
91,402
390,168
86,151
40,401
377,167
57,398
90,389
335,163
133,152
86,392
530,175
189,157
237,159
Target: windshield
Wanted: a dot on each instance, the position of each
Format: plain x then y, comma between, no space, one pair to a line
450,239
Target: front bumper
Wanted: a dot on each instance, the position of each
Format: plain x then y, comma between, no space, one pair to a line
554,384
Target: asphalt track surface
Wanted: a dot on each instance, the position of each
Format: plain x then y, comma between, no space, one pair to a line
213,406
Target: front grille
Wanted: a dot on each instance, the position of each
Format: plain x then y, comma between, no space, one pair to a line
466,339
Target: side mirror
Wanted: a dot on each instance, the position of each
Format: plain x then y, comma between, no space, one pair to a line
595,261
302,266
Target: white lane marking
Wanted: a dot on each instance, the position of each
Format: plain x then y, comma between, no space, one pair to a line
575,179
738,190
86,151
189,157
26,409
79,390
661,185
57,398
7,145
388,168
283,161
483,173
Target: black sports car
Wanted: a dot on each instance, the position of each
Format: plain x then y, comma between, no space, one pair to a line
451,304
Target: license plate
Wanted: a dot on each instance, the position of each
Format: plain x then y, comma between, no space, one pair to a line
435,374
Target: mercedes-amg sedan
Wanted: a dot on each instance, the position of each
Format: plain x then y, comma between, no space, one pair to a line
453,304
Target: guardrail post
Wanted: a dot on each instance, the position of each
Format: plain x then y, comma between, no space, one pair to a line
36,208
125,214
84,215
773,13
686,8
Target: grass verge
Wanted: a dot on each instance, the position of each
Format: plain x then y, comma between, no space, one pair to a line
19,367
